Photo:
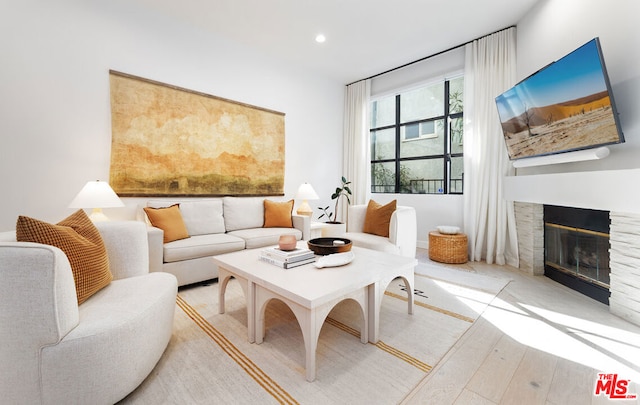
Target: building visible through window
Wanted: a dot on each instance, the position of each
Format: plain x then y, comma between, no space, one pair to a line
416,140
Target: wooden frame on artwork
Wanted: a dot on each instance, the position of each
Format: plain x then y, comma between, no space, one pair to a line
171,141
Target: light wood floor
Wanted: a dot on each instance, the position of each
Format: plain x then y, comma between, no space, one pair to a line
538,343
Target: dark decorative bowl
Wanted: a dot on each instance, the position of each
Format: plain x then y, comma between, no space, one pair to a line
326,246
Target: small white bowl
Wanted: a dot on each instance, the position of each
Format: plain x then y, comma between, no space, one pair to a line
448,230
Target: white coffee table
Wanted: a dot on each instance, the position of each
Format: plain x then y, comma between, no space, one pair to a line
311,293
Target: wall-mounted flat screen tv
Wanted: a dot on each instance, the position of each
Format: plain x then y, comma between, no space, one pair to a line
566,106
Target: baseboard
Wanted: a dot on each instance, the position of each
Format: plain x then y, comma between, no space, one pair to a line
422,244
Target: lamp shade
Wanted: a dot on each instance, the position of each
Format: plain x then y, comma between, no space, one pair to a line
306,192
96,195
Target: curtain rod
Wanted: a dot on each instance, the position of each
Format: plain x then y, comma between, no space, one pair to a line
428,57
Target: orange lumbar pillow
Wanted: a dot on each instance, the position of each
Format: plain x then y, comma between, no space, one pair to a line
80,240
169,219
377,218
278,214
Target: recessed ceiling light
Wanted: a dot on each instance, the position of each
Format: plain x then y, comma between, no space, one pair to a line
320,38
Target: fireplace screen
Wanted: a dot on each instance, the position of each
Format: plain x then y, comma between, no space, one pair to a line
579,252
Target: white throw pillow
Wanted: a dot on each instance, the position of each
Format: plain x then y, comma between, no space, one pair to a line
243,212
203,217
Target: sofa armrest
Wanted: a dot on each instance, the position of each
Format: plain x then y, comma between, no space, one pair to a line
38,308
403,230
156,248
127,247
356,217
303,223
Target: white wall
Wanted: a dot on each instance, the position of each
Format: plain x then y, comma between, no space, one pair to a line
554,28
55,123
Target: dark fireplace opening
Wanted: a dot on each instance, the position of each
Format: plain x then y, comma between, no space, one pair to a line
576,249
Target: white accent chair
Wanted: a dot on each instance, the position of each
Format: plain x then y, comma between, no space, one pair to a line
402,231
56,352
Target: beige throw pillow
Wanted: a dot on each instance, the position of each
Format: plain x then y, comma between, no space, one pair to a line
377,218
278,214
80,240
169,219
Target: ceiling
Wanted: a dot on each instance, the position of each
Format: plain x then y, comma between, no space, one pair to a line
364,37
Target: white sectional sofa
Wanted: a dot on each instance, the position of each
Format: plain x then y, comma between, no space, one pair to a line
215,226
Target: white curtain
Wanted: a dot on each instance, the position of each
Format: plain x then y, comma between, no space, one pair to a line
356,157
489,220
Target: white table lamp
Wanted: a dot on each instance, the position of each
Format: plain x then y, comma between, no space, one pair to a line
305,193
96,195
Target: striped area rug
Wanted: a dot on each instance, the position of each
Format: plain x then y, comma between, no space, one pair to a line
210,361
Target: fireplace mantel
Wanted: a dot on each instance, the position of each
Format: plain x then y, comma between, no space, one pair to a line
610,190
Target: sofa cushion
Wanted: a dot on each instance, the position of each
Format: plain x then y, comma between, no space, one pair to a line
373,242
80,240
201,246
260,237
378,217
169,219
123,331
278,214
243,213
201,217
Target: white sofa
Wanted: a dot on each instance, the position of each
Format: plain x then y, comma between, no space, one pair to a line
56,352
402,231
215,226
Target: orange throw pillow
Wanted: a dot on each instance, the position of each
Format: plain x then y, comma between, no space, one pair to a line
169,219
278,214
80,240
377,219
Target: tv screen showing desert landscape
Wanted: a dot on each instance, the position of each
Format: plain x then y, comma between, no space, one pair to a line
565,106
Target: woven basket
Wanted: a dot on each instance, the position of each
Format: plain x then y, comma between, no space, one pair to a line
448,248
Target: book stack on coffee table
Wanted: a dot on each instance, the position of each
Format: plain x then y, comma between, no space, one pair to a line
287,259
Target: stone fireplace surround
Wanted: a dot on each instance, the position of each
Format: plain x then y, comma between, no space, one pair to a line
611,190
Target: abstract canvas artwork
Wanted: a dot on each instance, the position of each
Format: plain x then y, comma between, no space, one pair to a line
170,141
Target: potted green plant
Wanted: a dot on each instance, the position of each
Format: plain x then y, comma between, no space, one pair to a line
332,217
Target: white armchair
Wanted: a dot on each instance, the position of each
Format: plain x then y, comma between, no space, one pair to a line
402,231
56,352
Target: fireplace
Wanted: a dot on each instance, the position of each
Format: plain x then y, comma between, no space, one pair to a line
607,190
576,249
